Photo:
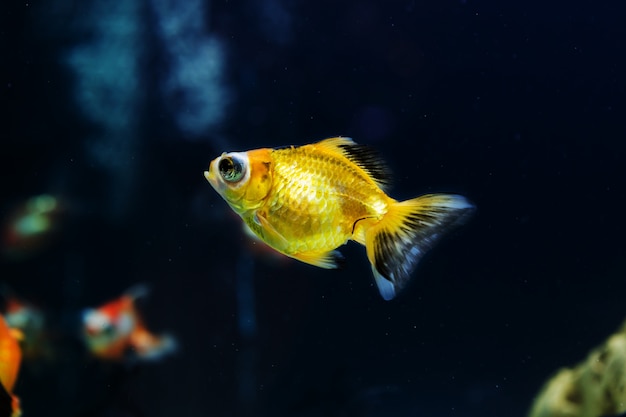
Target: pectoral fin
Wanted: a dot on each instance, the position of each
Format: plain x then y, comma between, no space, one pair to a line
270,235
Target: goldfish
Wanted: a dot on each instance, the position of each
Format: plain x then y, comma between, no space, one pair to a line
306,201
10,360
116,329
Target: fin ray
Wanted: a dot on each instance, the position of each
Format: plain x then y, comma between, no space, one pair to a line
409,229
363,156
327,259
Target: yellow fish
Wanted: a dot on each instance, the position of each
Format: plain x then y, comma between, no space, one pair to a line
306,201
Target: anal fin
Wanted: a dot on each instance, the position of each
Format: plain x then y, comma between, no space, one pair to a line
326,259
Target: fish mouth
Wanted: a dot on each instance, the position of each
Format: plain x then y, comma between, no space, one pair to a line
210,176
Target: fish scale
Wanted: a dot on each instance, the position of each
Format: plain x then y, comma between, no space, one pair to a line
321,194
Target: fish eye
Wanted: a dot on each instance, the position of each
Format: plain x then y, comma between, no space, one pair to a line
231,169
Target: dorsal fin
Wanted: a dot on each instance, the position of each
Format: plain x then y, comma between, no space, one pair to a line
363,156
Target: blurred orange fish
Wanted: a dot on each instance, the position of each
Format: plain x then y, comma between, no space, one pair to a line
31,226
306,201
10,359
116,329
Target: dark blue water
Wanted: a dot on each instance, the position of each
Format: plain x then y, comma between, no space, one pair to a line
117,110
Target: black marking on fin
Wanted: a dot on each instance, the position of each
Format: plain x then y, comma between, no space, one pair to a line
385,249
339,259
369,160
398,248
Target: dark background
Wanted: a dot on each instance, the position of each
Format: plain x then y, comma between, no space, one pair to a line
518,106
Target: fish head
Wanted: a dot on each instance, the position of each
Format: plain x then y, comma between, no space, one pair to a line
243,179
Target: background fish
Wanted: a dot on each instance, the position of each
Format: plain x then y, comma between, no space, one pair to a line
308,200
116,328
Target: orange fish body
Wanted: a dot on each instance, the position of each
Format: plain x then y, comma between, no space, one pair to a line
116,328
308,200
10,359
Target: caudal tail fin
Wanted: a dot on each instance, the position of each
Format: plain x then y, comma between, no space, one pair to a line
409,229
